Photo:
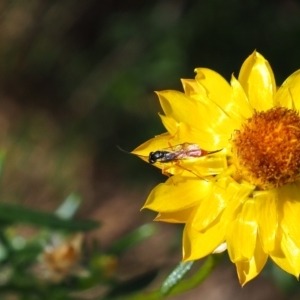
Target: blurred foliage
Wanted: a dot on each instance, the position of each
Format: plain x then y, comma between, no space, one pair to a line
53,263
76,80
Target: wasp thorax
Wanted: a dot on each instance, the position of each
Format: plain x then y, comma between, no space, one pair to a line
267,148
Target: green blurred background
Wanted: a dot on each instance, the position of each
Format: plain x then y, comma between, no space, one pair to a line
77,78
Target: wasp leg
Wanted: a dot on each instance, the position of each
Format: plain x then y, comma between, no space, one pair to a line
169,175
173,137
177,163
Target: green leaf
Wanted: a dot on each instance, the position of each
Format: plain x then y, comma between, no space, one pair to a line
23,215
204,271
3,252
25,257
135,237
176,275
184,285
132,285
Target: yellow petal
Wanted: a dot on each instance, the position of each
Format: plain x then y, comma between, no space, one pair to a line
289,206
180,216
267,217
209,140
240,102
247,270
179,107
197,245
207,165
212,205
240,193
182,133
292,253
288,95
177,193
257,79
173,127
289,258
204,116
242,233
219,91
192,88
217,88
158,143
214,120
285,264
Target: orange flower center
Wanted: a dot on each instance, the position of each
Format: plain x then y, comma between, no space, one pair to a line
267,148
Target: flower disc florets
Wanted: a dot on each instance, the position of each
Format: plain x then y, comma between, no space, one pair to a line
267,148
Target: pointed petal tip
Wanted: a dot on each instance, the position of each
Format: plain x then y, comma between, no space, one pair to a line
157,218
256,54
199,73
242,283
243,279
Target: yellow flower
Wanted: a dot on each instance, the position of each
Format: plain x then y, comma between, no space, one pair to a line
243,190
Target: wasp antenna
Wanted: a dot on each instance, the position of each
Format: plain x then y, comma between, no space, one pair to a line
124,150
216,151
141,156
